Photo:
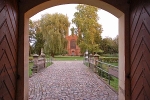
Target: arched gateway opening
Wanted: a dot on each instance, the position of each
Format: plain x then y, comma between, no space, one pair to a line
115,8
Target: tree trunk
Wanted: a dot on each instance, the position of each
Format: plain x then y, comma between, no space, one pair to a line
52,54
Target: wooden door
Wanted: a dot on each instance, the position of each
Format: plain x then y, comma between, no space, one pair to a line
140,49
8,49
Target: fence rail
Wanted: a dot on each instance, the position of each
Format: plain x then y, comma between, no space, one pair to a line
108,72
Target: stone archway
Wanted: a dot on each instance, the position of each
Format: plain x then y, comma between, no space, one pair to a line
116,8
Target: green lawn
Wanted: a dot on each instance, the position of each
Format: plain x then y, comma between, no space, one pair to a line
114,83
113,80
68,58
30,66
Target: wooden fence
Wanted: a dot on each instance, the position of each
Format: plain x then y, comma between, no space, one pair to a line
104,70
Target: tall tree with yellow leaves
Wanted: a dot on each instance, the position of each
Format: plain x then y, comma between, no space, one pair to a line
88,29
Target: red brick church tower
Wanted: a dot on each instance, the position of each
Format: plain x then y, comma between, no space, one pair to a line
72,47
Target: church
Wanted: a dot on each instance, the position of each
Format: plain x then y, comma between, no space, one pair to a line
72,47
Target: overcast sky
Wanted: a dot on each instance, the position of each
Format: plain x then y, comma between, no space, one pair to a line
108,21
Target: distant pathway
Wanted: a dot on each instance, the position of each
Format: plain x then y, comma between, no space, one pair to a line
68,80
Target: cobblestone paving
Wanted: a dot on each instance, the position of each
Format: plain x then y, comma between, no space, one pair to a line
69,80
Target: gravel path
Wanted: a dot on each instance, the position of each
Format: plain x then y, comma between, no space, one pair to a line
68,80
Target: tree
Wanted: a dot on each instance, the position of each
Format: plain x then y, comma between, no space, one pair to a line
31,31
35,37
31,36
54,29
88,29
116,44
39,43
109,45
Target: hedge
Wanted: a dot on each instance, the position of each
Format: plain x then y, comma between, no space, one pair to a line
30,59
109,59
109,55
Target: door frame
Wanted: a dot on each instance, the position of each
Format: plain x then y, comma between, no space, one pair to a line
23,43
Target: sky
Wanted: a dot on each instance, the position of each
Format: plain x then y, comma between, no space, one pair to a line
108,21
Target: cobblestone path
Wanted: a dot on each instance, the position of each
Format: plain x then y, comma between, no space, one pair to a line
69,80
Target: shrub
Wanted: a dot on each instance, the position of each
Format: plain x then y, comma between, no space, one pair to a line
110,55
109,59
30,59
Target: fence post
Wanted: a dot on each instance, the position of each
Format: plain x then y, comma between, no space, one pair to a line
96,58
86,56
35,61
109,78
90,57
43,56
51,58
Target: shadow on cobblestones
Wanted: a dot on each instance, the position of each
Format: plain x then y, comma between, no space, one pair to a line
68,80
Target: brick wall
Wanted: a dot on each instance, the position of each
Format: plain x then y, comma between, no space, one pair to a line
72,51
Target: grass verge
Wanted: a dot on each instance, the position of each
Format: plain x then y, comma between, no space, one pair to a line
68,58
30,66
